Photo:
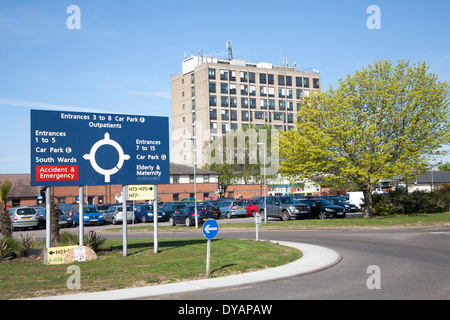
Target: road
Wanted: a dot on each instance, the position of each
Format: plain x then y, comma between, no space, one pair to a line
403,263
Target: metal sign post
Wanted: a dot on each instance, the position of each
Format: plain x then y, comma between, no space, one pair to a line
81,215
210,231
257,223
124,219
155,220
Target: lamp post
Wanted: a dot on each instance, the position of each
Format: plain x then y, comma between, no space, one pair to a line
265,193
195,179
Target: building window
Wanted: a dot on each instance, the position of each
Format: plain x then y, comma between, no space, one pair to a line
225,115
298,81
270,78
262,78
289,81
244,102
176,197
281,80
212,101
253,90
259,115
251,77
316,83
212,114
244,89
191,179
263,104
252,103
244,115
298,93
306,82
244,76
271,92
206,180
224,88
233,102
232,75
282,105
212,74
193,91
212,87
175,178
263,91
206,194
192,78
271,104
224,101
224,75
193,104
233,115
232,88
281,92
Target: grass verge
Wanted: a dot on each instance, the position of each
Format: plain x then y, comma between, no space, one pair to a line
178,260
390,221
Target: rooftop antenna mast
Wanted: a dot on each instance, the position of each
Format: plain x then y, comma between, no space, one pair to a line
230,50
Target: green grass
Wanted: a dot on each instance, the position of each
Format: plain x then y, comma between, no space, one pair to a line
399,221
178,260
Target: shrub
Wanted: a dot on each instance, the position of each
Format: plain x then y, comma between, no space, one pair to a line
402,202
91,240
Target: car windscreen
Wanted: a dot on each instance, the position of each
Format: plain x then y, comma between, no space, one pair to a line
90,210
287,200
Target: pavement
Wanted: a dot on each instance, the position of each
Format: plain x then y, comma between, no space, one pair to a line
315,258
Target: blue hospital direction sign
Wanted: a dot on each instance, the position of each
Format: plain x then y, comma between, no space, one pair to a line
74,149
210,229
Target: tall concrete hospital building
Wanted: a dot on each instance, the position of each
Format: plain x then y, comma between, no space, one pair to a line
212,97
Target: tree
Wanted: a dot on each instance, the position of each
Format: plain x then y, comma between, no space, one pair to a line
54,221
382,122
4,214
444,166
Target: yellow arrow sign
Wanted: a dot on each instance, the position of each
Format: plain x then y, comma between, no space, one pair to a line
141,192
55,255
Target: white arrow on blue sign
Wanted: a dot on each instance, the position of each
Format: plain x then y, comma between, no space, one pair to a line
210,229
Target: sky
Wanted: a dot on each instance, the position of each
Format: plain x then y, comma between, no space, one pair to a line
122,56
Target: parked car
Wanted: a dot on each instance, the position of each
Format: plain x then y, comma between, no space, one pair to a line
69,208
25,217
284,207
91,215
143,212
103,207
64,219
322,209
349,207
187,215
172,206
114,214
232,208
251,205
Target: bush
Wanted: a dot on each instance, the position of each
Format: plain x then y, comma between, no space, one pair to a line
402,202
91,240
11,248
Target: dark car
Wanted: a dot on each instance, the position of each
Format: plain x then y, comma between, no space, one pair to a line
64,219
349,207
144,212
322,209
170,207
187,215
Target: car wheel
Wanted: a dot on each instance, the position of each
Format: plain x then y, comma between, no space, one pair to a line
322,215
188,222
172,222
144,219
284,215
113,221
253,213
228,215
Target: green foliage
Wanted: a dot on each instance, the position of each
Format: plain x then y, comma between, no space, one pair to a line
383,121
444,166
5,221
402,202
91,240
11,248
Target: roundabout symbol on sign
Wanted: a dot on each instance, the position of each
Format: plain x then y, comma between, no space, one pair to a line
91,156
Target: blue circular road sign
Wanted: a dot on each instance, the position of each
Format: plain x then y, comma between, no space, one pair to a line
210,229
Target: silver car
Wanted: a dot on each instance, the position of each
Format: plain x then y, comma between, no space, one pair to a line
114,214
25,217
